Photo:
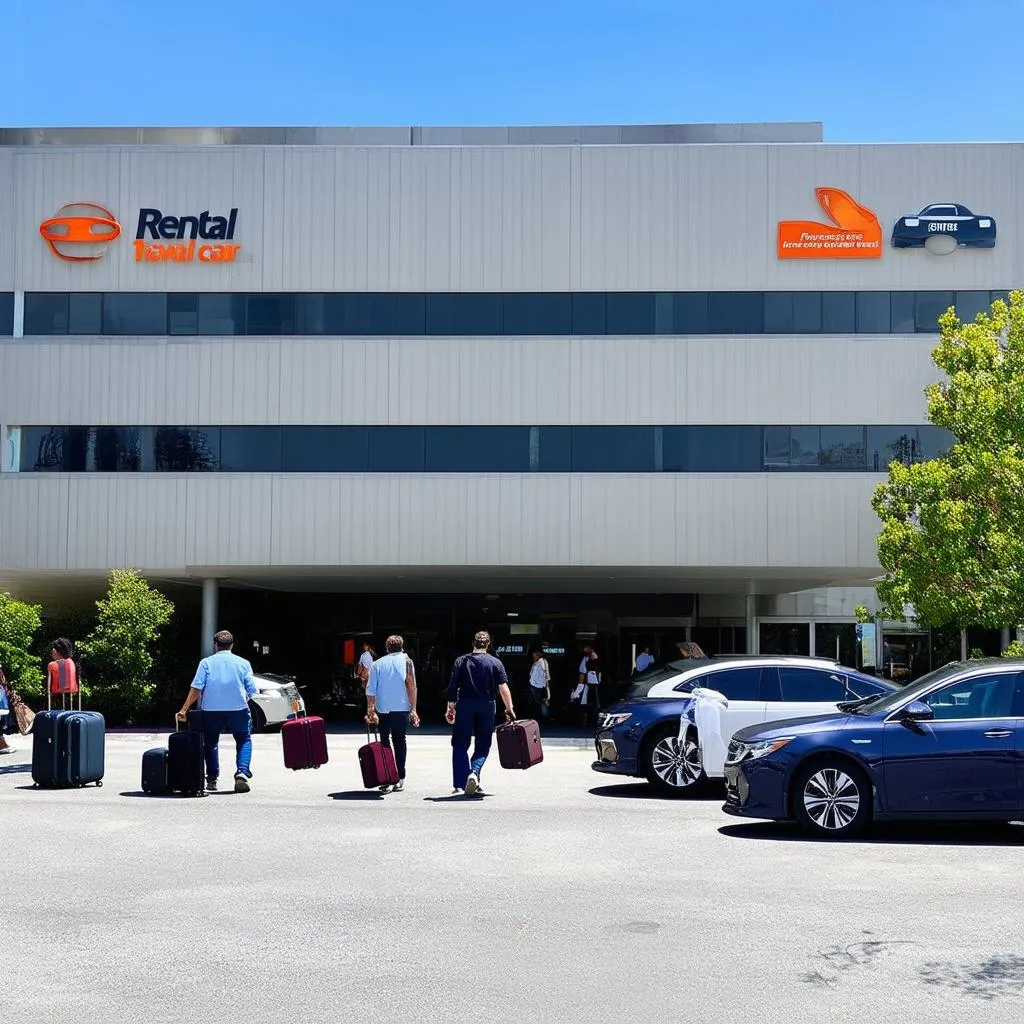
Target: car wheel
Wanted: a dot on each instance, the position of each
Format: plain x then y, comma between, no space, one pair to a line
673,766
832,800
259,720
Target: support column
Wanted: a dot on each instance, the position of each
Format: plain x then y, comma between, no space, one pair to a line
19,315
751,611
209,617
1004,639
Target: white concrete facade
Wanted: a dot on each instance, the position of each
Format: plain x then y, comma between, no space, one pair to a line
463,217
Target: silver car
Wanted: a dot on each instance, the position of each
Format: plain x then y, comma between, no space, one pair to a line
277,699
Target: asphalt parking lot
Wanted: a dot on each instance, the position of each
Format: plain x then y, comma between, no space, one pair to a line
561,897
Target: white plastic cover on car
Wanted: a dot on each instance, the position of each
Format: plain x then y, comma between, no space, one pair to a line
703,710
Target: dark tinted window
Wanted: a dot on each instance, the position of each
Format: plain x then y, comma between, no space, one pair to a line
116,450
381,314
478,450
736,683
873,313
630,313
396,449
464,313
705,449
778,313
970,304
838,312
46,313
270,314
842,448
988,696
135,313
933,441
891,444
811,685
555,449
807,312
929,307
736,312
250,449
183,449
589,313
7,313
324,449
221,314
54,449
537,313
690,313
901,313
85,313
612,450
792,313
182,313
858,686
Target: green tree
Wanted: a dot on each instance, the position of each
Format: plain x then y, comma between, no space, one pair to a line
19,623
952,538
119,651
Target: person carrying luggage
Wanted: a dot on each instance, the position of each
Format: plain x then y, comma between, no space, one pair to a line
223,685
391,702
478,679
5,707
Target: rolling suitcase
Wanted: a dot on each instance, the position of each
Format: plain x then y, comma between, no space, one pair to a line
377,763
154,771
69,748
186,767
304,741
519,744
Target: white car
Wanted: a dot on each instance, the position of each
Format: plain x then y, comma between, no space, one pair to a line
277,699
642,736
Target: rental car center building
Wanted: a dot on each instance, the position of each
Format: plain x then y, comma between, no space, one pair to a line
633,383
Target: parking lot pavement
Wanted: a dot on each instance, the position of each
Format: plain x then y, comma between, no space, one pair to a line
563,897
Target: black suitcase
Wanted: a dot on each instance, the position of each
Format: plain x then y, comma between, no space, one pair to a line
154,771
68,749
186,768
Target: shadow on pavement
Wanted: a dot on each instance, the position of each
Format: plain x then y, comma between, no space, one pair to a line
173,796
15,769
645,791
455,798
905,834
357,794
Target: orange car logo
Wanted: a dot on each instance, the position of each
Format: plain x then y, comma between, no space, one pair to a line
854,234
80,232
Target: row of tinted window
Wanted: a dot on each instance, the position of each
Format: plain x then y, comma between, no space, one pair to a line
6,313
448,314
786,684
393,449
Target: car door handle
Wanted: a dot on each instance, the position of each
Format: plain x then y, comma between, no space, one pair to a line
998,734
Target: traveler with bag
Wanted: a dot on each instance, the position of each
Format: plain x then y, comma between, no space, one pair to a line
21,718
5,707
478,679
540,681
223,686
391,703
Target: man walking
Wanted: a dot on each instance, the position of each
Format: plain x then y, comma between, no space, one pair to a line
391,702
365,663
478,679
224,684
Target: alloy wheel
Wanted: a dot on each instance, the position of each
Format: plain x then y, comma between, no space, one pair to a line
677,764
831,799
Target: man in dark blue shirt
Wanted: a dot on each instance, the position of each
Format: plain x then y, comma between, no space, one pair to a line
478,679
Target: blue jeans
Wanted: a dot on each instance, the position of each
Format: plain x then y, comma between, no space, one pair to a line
474,721
239,724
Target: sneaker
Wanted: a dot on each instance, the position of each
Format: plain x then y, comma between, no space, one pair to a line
472,784
456,791
241,783
211,785
399,786
383,789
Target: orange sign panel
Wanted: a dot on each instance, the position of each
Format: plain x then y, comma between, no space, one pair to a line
854,234
80,232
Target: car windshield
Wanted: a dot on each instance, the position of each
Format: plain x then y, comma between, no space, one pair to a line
887,701
642,683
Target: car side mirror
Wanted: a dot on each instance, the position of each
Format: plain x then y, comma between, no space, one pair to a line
917,711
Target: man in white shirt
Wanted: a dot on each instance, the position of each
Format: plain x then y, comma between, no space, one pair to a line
365,663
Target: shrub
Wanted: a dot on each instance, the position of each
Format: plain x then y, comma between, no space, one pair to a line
19,623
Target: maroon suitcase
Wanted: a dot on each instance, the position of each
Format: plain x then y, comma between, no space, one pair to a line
377,763
305,742
519,744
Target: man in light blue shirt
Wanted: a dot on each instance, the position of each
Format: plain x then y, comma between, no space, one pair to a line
391,701
223,686
644,660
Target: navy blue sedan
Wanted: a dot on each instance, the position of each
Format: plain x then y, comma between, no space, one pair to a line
952,220
949,746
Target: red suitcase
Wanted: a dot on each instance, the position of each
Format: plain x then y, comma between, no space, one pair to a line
377,763
519,744
305,742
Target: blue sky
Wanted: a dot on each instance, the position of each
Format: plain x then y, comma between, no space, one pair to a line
916,70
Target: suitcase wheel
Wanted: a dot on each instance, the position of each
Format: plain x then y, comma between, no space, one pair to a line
316,767
99,783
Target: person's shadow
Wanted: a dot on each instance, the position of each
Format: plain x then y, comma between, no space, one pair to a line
358,794
15,769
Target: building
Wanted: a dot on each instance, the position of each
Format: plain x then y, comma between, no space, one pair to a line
635,383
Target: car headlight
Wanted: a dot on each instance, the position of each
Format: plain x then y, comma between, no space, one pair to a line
610,721
766,747
271,691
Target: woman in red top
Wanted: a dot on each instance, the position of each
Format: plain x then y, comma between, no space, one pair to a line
62,672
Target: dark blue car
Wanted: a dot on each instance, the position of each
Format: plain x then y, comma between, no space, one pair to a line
949,746
953,220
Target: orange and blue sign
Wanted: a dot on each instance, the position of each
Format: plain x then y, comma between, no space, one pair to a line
854,234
